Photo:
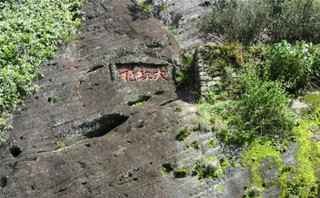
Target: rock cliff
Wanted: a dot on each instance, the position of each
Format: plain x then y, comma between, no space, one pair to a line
91,130
107,117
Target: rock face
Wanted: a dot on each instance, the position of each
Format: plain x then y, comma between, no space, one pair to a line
183,15
84,134
105,120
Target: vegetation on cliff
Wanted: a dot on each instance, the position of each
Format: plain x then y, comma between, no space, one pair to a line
273,49
30,32
252,21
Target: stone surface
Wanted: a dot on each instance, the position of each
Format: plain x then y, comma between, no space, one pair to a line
183,15
112,147
105,137
297,106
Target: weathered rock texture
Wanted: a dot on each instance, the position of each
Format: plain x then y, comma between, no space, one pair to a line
183,15
113,147
100,127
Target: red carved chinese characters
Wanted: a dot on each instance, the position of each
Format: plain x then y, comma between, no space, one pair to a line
141,74
128,74
159,74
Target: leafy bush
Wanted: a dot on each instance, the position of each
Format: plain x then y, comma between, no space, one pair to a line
30,31
263,110
250,21
293,64
232,20
293,20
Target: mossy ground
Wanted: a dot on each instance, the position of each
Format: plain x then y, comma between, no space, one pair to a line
295,180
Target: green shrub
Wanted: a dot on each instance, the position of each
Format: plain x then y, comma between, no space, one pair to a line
291,64
209,168
232,20
293,20
52,100
219,188
251,21
263,110
295,65
161,130
30,32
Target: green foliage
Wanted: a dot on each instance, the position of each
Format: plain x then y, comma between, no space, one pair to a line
259,151
219,188
296,180
204,117
293,20
161,130
226,55
224,163
137,104
30,32
292,64
301,180
212,144
166,169
260,118
232,20
247,21
196,145
209,168
183,133
177,110
263,110
145,5
162,8
184,78
189,58
180,172
52,100
173,31
62,144
313,99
